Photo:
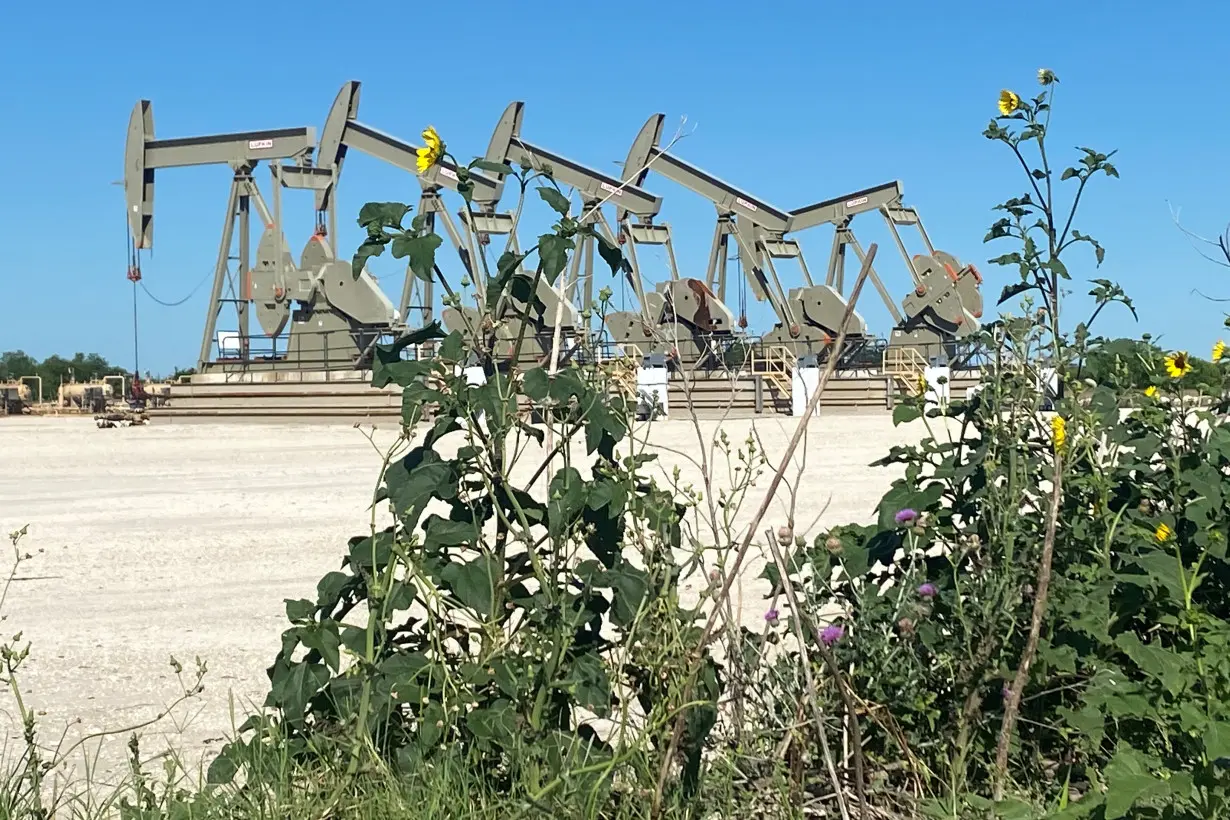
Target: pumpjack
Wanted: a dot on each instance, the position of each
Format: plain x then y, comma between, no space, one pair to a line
343,131
334,317
808,317
945,305
556,302
681,317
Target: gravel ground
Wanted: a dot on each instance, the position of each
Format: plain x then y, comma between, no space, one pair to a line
184,540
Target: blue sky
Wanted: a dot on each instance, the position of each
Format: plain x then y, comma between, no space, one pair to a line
795,102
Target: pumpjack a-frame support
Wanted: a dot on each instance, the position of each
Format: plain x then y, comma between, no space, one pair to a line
241,151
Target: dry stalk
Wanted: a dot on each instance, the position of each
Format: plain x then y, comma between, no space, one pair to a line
812,405
1042,587
810,683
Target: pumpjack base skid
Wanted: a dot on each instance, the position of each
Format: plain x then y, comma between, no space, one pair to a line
678,341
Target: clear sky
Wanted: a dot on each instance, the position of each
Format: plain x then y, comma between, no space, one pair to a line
793,101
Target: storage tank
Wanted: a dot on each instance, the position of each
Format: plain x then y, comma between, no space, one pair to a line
82,394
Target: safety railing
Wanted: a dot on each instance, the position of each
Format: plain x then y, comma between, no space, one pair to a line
907,367
265,352
775,364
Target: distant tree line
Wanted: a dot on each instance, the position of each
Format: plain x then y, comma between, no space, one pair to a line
1139,363
54,370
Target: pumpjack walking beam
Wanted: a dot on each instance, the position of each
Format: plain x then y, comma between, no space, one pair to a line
143,155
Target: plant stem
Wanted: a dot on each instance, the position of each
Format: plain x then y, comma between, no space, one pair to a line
1042,588
775,482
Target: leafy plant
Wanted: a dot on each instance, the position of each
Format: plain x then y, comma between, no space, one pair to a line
515,607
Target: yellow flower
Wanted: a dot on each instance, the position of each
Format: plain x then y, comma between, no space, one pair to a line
1162,534
1008,102
1151,391
1219,350
431,152
1178,364
1046,76
1059,431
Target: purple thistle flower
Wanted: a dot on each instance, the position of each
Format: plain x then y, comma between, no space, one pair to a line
928,591
905,517
771,616
832,634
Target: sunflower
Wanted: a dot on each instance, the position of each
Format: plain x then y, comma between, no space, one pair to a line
1008,102
1046,76
1151,391
1162,534
1178,364
1059,431
431,152
1219,350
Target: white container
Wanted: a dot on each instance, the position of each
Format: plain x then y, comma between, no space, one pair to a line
939,386
803,385
651,389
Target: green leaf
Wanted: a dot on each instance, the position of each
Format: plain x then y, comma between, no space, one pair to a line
630,586
588,684
905,412
1217,740
553,255
294,686
388,367
330,588
474,583
1013,809
441,532
431,725
491,167
1012,290
416,479
555,199
422,252
383,214
536,383
400,597
496,724
1160,663
1127,780
1162,570
371,551
299,610
408,677
372,246
224,767
453,348
567,494
611,254
323,638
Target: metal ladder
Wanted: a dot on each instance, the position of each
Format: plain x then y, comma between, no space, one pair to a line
776,364
907,368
